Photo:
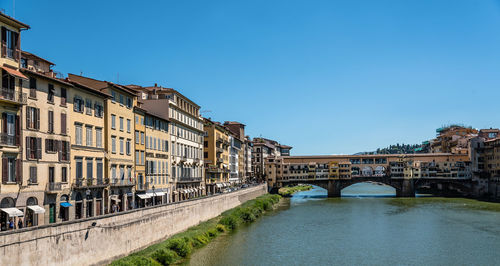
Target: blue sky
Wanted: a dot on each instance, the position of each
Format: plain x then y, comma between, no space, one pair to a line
327,77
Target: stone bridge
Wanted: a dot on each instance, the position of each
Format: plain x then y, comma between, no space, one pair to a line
404,187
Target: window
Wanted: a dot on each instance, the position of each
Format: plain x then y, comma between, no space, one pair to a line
51,122
113,171
33,175
33,118
33,148
10,40
88,106
63,97
78,134
98,110
63,124
129,102
142,138
137,119
128,125
90,170
88,135
78,104
64,151
64,174
122,172
137,157
113,121
33,87
142,158
50,94
79,168
98,137
99,169
121,123
127,148
113,96
51,145
51,174
121,145
122,101
137,137
129,172
113,144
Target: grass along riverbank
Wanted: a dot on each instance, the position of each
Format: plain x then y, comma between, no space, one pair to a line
176,248
288,191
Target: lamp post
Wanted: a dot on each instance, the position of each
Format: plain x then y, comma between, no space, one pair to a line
154,195
87,193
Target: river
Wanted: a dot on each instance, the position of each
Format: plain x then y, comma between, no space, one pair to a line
367,226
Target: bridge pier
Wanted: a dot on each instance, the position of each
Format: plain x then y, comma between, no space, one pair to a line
334,188
407,189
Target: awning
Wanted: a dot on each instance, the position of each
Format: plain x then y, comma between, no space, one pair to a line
12,212
219,185
144,196
14,72
115,198
159,194
66,204
36,209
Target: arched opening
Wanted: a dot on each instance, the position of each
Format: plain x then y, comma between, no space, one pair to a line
31,216
64,208
380,171
367,171
5,217
78,205
368,189
355,170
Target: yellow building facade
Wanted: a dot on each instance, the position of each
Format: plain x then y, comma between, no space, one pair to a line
87,175
216,156
142,184
118,142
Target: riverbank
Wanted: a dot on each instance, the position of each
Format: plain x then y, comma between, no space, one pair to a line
176,248
289,191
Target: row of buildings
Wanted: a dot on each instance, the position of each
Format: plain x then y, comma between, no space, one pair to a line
75,147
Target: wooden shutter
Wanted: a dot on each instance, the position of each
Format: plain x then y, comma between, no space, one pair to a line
38,148
18,130
59,150
28,117
28,148
37,126
18,175
51,121
4,44
17,46
46,145
4,122
63,123
5,173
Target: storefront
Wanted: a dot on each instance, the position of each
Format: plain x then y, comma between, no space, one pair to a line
32,212
8,213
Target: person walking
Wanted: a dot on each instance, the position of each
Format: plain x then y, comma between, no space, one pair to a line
20,223
11,224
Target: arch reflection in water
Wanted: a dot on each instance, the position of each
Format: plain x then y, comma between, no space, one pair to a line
368,189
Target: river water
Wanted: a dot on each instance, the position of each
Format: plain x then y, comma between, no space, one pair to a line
365,227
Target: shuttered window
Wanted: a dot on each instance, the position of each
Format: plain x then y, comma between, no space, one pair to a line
33,148
33,118
63,124
33,175
51,121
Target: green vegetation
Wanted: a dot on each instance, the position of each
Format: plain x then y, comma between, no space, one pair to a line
406,204
288,191
180,246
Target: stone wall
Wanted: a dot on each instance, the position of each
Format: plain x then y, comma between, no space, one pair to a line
113,236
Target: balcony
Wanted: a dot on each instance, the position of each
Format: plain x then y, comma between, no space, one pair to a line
54,187
90,182
116,182
13,96
6,139
189,179
9,52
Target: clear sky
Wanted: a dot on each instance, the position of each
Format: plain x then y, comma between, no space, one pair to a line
323,76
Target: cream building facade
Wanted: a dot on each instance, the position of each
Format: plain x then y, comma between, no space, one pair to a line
15,195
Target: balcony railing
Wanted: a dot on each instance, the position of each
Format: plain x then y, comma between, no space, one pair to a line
6,139
54,186
90,182
122,182
12,95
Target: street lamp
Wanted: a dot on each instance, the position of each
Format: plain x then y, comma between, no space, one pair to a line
154,196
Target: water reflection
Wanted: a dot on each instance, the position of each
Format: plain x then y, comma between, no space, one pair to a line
310,229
